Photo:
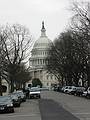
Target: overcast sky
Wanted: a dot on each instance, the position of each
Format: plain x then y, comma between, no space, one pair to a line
31,13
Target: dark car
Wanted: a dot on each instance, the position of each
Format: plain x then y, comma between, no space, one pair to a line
6,104
57,88
16,100
20,95
79,91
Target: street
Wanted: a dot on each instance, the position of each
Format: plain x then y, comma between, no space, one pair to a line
78,106
52,106
51,110
28,110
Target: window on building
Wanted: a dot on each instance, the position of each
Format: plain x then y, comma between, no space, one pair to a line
40,61
47,77
51,76
40,71
43,61
33,62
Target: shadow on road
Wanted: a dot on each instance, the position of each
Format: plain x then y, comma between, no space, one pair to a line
50,110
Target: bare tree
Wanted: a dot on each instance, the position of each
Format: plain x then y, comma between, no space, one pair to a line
22,76
70,55
17,43
1,63
81,26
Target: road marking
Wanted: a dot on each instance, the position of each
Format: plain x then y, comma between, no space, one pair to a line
30,115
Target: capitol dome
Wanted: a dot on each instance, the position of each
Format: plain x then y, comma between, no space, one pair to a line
43,42
40,50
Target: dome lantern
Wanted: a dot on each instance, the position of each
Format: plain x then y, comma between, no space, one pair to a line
43,30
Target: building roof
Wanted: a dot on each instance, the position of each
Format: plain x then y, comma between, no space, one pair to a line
43,42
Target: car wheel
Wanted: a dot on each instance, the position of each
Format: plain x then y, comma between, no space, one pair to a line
88,96
12,111
39,96
30,97
75,94
18,105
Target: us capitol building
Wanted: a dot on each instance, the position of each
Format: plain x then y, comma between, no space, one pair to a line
37,61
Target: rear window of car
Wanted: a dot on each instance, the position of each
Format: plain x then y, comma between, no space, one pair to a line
32,90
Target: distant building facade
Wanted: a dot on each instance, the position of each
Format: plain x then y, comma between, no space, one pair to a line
37,61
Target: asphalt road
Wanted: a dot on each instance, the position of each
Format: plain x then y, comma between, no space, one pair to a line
50,110
78,106
28,110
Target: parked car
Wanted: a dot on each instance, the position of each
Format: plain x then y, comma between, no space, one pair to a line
21,95
69,89
55,88
34,92
62,89
79,91
6,104
86,93
16,100
59,89
66,89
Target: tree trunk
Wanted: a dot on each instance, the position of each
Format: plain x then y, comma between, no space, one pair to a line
12,85
0,85
88,79
88,76
69,80
62,80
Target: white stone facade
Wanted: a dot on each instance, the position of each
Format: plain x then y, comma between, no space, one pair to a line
38,61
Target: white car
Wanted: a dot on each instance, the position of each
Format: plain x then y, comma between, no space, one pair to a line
34,92
69,89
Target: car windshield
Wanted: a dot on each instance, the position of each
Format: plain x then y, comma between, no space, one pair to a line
13,96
